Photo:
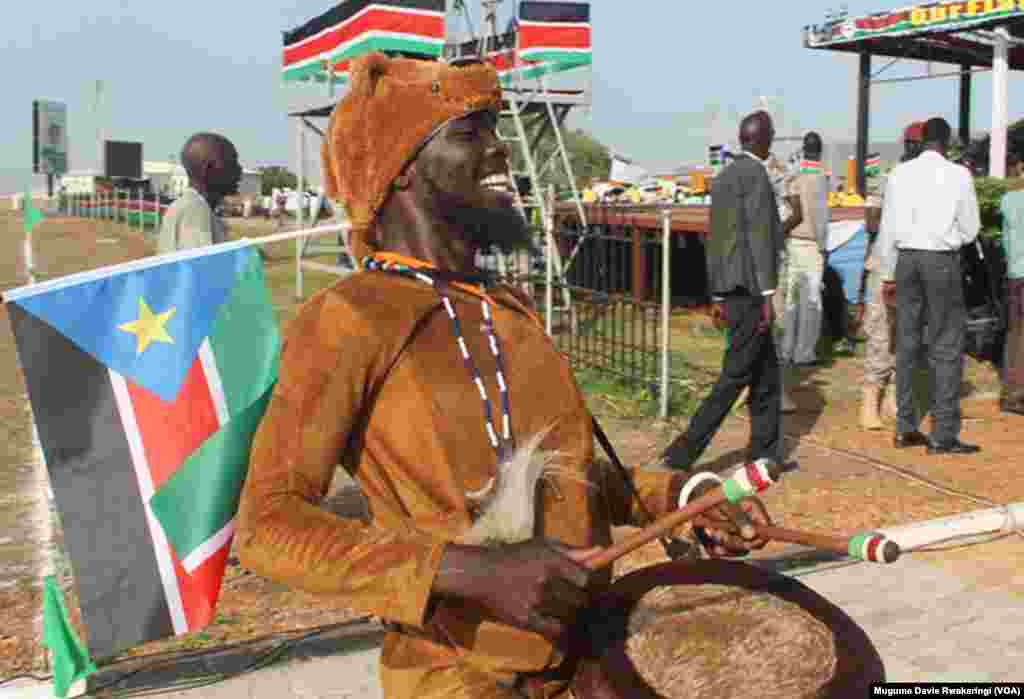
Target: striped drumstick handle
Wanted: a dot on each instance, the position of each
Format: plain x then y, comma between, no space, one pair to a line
874,547
869,546
748,481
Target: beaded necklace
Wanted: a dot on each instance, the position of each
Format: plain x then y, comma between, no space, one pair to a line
504,445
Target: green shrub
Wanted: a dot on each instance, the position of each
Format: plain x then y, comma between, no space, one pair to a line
990,191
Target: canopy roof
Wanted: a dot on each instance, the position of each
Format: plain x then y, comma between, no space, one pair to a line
958,33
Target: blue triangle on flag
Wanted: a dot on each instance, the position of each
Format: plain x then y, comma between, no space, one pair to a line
182,298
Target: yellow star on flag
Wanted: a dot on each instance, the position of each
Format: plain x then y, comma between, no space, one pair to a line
149,328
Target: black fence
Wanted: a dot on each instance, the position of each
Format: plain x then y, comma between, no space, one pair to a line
605,310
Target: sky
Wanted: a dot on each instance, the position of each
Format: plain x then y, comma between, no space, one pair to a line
661,69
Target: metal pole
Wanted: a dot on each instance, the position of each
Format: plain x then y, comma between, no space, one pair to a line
965,105
549,261
666,301
299,208
863,111
1000,77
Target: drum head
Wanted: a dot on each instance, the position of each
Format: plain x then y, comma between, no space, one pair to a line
753,633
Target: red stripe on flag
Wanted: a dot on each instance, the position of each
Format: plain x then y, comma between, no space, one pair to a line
378,19
502,61
199,606
554,37
206,581
172,431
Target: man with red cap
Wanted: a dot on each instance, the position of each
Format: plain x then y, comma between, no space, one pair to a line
879,321
391,373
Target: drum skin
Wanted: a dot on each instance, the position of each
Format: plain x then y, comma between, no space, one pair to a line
605,671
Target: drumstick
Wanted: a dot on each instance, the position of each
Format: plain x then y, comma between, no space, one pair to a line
751,479
867,546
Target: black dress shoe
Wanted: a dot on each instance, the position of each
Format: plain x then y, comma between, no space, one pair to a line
954,446
909,439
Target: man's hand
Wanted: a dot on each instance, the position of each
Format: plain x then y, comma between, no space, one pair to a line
536,585
723,544
889,293
767,316
719,316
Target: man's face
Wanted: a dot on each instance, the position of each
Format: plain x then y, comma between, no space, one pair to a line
225,172
453,165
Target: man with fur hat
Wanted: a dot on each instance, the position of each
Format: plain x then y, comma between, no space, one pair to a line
423,379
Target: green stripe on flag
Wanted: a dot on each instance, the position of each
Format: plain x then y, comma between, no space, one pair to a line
202,496
245,339
31,216
70,658
315,69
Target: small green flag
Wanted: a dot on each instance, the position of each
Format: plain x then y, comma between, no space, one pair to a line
30,214
70,659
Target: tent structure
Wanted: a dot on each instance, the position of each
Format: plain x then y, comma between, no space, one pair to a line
976,35
544,38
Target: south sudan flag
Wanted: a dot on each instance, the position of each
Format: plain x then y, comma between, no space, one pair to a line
147,382
873,165
556,32
357,27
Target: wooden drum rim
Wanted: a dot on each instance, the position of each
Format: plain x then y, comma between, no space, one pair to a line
855,653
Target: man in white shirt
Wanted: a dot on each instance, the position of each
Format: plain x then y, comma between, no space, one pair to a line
211,163
930,212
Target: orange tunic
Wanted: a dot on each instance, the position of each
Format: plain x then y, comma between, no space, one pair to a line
371,378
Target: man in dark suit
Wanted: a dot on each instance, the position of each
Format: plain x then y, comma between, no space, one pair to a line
742,259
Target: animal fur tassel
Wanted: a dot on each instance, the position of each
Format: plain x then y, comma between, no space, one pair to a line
508,504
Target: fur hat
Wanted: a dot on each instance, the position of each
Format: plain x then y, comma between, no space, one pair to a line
393,107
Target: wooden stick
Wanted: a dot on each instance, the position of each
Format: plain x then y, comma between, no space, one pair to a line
666,524
868,547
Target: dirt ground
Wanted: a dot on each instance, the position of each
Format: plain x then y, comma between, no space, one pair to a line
847,480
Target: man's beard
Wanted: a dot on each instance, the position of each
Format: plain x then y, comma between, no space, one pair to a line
491,221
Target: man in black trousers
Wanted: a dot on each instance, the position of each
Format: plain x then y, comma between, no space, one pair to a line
930,213
742,258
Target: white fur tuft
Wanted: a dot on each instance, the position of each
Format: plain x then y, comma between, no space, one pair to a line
508,505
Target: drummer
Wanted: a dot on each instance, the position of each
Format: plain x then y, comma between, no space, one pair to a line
384,373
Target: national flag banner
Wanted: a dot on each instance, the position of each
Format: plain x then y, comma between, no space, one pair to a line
357,27
31,216
556,33
873,165
810,166
147,381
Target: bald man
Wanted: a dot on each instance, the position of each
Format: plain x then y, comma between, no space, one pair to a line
211,163
743,252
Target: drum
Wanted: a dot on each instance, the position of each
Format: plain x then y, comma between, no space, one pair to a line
720,629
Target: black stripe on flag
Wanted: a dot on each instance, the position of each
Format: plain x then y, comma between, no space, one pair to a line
95,487
530,11
346,10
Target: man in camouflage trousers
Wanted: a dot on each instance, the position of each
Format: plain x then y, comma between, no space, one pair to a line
879,321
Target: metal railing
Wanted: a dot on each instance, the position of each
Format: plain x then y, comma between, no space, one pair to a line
615,317
133,207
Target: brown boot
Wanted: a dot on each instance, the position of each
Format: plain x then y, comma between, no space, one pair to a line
869,418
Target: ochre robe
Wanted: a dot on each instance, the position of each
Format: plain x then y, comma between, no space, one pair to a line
371,378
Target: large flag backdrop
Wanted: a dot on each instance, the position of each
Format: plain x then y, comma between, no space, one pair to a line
356,27
147,382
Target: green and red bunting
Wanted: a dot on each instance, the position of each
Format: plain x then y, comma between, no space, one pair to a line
555,32
147,382
358,27
873,165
